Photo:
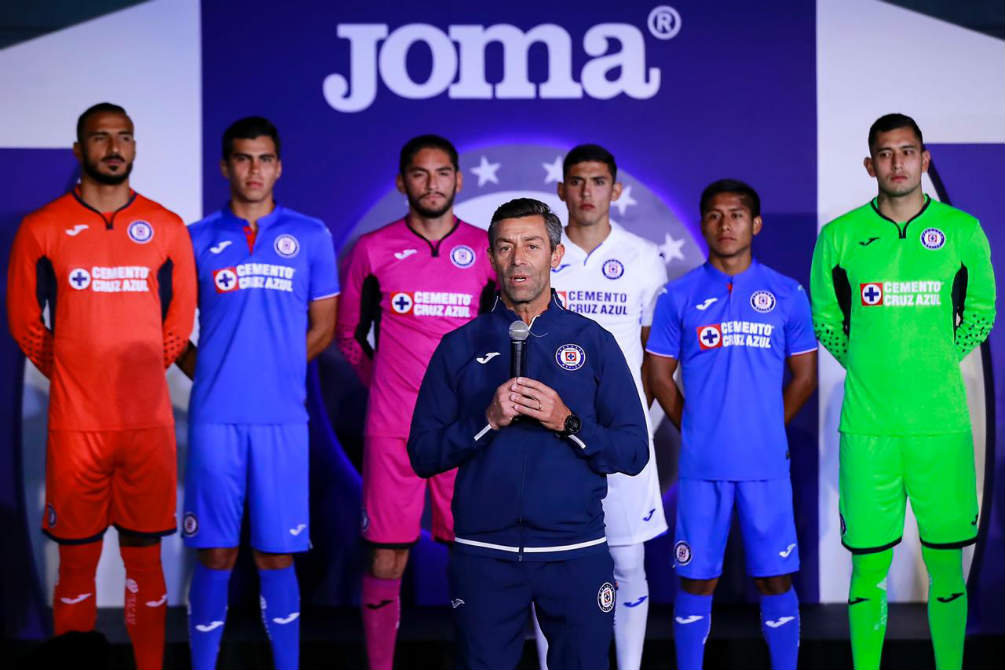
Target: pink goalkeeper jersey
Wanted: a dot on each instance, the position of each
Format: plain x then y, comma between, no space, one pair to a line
411,292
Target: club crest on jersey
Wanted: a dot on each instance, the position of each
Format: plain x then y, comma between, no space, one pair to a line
762,301
50,515
190,525
80,278
605,597
871,293
225,280
140,232
682,553
286,246
462,256
570,356
710,337
402,303
933,238
613,268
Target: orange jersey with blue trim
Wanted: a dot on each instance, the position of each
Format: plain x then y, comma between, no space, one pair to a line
102,304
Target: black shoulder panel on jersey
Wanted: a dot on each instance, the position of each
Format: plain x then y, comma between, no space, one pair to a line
842,290
45,288
487,298
369,314
959,295
164,286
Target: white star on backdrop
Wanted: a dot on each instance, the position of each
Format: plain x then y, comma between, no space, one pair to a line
625,200
554,170
486,172
671,249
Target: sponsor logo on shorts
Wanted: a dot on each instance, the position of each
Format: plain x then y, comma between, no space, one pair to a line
377,606
189,524
613,268
933,238
570,356
682,553
50,515
636,603
286,246
787,551
457,602
949,599
140,232
206,628
872,293
605,597
299,529
132,586
462,256
856,601
763,301
649,516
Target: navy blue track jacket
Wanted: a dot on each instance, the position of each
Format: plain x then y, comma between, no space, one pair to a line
524,492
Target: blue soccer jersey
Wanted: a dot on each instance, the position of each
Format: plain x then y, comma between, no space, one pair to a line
254,292
732,336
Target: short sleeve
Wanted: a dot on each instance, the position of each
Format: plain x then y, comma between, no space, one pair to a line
324,273
664,336
799,336
655,279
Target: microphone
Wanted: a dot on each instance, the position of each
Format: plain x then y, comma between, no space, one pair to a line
518,333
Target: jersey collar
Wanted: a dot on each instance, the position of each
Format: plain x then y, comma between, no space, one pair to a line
718,276
264,222
507,315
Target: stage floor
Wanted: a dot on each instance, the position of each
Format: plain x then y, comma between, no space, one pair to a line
331,638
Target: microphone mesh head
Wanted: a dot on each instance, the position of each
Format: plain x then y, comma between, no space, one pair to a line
518,330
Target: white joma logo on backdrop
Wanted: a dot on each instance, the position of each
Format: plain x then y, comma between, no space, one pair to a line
458,57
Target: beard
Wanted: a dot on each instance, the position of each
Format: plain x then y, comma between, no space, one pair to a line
428,212
90,168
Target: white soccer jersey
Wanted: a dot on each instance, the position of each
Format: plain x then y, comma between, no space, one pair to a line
616,285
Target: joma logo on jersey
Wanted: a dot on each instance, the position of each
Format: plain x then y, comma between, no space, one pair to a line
615,64
871,293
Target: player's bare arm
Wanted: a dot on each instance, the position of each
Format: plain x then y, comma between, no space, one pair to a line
659,375
321,325
804,381
186,362
644,335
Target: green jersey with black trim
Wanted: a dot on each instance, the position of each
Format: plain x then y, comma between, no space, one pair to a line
899,305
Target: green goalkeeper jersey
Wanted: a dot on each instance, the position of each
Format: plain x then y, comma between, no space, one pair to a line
899,305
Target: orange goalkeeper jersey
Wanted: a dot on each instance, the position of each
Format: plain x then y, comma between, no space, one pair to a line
102,304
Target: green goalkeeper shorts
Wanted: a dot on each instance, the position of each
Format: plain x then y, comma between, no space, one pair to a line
879,472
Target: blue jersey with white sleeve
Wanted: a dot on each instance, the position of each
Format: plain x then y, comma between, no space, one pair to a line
254,293
732,336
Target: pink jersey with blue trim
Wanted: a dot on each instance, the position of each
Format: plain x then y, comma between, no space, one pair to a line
409,292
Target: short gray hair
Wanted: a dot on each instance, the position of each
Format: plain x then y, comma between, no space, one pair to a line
523,207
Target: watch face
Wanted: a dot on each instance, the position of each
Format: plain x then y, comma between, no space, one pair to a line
572,424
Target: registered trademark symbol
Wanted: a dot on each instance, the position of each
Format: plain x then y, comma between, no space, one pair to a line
664,22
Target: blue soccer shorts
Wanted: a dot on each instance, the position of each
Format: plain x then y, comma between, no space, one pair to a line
704,517
263,464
